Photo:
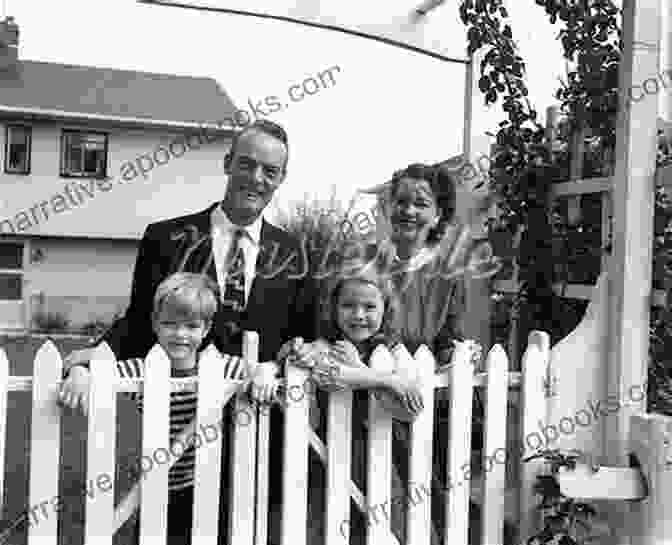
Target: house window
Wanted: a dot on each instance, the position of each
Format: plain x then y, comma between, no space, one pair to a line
83,154
17,149
11,271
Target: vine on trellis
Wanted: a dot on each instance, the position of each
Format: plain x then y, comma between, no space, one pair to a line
522,167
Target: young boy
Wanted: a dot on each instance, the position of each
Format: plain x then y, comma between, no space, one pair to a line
184,307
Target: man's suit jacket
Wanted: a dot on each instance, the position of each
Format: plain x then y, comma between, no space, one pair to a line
281,303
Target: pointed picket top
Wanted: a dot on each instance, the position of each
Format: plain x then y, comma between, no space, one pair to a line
4,379
45,439
382,360
404,362
425,362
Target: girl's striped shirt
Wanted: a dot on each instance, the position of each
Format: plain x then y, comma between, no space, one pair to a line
182,411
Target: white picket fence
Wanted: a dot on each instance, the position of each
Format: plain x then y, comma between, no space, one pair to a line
248,509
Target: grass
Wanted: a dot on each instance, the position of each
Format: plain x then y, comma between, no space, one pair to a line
21,353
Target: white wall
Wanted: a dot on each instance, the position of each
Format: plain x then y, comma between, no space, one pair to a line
118,209
83,279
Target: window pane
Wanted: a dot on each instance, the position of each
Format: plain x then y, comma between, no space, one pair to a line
74,160
85,154
11,256
18,149
93,161
10,287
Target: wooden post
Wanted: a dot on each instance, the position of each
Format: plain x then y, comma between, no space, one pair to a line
630,268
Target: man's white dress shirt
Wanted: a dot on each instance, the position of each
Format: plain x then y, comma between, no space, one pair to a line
222,236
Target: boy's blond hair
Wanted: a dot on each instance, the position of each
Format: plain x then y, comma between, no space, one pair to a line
191,294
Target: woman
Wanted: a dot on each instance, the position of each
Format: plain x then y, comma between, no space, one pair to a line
425,257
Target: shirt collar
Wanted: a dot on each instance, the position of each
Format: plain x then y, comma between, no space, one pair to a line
222,222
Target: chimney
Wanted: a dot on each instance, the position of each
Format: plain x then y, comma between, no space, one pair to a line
9,43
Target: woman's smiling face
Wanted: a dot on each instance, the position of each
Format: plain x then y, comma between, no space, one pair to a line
413,211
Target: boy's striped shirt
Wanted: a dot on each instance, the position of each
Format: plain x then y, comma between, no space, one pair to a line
182,411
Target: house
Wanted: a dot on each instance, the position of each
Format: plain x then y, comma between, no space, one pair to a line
88,157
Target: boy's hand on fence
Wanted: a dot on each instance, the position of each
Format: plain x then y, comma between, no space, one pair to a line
75,390
78,357
289,348
264,384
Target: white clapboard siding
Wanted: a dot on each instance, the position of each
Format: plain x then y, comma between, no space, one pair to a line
339,439
295,472
212,392
45,443
155,444
535,375
494,446
379,469
420,464
4,379
100,448
459,449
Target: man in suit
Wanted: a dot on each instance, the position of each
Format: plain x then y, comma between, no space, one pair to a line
259,268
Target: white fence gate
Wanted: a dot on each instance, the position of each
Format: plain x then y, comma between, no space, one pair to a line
249,508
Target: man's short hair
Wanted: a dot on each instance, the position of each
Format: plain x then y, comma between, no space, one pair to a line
263,126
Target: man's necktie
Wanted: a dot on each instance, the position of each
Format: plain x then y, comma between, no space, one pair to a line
234,288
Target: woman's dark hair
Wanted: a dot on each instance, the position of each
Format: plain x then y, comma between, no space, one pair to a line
367,273
441,182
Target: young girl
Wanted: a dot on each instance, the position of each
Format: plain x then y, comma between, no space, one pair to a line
359,316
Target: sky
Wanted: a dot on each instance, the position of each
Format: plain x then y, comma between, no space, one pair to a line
387,107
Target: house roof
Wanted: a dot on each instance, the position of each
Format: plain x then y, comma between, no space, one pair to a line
62,90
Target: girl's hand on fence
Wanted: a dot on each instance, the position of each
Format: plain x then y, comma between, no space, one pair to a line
345,353
408,393
75,390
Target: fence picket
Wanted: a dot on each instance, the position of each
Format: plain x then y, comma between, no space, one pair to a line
212,390
494,442
379,469
100,447
533,409
4,381
45,435
295,472
155,439
339,439
420,465
243,458
459,450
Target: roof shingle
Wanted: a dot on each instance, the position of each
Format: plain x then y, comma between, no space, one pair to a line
86,90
